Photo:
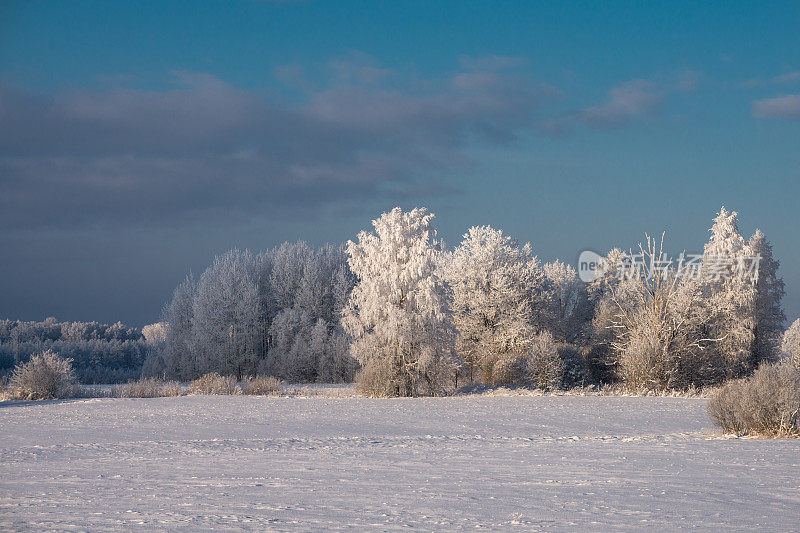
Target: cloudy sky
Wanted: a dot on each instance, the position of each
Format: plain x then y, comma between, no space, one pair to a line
138,141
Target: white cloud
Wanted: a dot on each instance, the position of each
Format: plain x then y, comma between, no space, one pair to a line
782,107
624,103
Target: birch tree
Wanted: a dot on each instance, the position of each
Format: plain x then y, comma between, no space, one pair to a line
178,357
226,309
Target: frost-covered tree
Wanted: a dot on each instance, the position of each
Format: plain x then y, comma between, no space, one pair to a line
267,305
769,292
603,310
323,355
316,292
544,367
317,284
257,314
610,272
568,311
343,282
289,356
495,285
730,297
397,314
288,266
179,361
791,344
658,326
225,328
335,365
155,334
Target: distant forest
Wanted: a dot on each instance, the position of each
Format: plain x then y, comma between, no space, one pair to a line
101,353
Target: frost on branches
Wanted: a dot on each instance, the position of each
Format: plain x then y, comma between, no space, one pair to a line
495,284
791,344
398,313
670,331
769,292
420,320
730,298
276,313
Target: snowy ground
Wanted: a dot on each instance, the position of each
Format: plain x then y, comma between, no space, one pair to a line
277,463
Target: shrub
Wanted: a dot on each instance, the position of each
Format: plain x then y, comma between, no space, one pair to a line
576,369
261,385
213,383
543,366
147,388
381,378
44,376
646,362
765,404
377,379
506,370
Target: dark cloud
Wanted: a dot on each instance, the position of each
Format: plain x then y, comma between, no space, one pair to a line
203,146
782,107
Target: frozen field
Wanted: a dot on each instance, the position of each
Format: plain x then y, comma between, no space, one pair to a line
552,463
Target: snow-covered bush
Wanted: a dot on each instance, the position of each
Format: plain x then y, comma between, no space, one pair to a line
646,361
791,344
766,403
378,379
147,388
44,376
601,356
576,371
543,366
658,326
261,385
213,383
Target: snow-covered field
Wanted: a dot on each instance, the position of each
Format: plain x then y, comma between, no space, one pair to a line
498,462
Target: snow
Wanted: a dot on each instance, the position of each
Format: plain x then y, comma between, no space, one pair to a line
312,463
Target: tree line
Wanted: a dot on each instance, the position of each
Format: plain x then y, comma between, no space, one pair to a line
404,316
401,315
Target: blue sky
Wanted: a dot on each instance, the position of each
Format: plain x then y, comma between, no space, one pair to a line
138,140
